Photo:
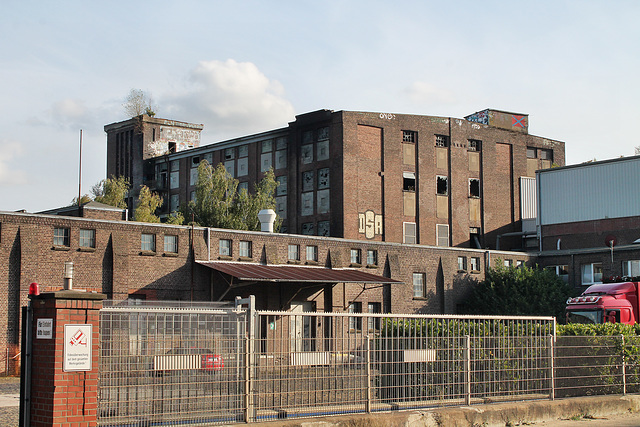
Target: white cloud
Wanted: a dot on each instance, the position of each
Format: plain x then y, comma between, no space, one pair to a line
428,94
231,98
8,176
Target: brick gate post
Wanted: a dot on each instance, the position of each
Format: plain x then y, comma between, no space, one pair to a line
65,355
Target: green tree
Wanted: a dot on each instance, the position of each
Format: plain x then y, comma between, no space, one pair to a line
518,291
84,199
112,191
218,203
175,218
148,203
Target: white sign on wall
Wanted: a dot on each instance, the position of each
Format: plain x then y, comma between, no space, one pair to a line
44,329
77,348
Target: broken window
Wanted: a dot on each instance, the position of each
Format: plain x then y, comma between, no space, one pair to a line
409,181
474,237
474,145
442,141
545,154
442,185
474,187
409,136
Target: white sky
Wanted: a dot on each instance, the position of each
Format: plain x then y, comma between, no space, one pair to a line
242,67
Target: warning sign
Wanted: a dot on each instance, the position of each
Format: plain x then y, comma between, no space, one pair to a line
77,348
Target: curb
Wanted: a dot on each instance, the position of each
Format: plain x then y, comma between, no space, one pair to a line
487,415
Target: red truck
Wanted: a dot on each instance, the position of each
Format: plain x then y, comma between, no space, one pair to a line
607,302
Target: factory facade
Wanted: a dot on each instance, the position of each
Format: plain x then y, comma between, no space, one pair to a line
371,176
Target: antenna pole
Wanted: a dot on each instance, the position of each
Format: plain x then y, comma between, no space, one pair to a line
80,172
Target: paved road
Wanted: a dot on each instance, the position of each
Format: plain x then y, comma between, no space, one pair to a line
9,401
626,420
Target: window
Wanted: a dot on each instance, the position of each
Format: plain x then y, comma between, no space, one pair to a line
409,232
267,146
545,154
442,235
281,189
508,263
224,247
323,133
243,151
323,228
323,178
462,263
281,143
562,271
408,181
265,162
592,273
312,253
308,179
293,253
87,238
306,153
409,136
61,236
531,153
355,323
195,161
171,243
245,249
474,237
418,285
442,186
474,145
373,323
356,256
519,263
372,257
442,141
230,154
148,242
475,264
309,228
631,268
474,187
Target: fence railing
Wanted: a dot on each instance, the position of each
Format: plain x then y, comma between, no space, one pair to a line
215,365
316,364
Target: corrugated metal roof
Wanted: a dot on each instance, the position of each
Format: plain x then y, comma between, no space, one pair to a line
294,273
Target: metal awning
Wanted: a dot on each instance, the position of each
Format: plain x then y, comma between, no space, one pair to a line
246,271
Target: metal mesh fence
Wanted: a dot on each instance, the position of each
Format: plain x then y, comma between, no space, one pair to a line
597,365
171,366
316,364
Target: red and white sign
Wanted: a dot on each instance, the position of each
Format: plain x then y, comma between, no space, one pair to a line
77,348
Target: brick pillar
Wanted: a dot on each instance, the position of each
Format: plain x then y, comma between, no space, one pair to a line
65,397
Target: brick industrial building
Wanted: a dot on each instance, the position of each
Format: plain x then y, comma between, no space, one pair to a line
362,175
125,259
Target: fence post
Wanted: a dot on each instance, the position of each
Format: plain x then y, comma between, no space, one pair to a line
624,368
552,368
368,344
249,358
467,370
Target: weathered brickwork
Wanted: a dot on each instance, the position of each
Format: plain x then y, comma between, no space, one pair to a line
120,268
373,167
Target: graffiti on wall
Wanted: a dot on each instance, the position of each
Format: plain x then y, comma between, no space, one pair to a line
370,224
479,117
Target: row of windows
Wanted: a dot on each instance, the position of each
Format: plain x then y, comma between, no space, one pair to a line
148,243
411,137
592,273
410,234
373,323
62,237
442,184
539,153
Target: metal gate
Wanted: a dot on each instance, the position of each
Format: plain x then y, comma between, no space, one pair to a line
172,365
